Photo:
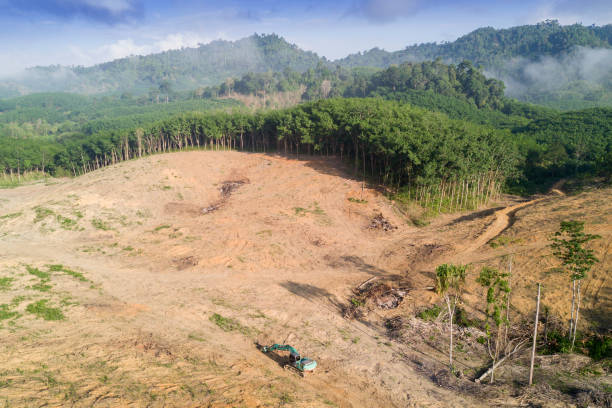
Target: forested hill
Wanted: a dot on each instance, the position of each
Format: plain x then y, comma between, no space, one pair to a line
183,69
492,48
565,67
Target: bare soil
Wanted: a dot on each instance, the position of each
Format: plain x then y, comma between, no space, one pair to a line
164,304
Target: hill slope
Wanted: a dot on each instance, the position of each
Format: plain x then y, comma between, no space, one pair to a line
525,57
183,69
163,303
564,67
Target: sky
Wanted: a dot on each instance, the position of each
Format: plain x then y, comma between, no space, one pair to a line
86,32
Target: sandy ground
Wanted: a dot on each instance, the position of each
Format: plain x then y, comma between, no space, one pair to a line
172,303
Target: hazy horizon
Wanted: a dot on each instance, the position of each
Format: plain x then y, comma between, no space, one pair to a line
84,32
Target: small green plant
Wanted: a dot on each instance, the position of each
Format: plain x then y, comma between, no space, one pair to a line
66,223
42,286
195,337
599,347
430,314
6,313
45,312
568,246
161,227
449,285
10,216
497,288
100,224
503,241
37,272
299,211
357,302
228,324
557,342
5,283
357,200
42,213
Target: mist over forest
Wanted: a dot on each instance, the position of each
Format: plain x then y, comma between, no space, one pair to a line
565,67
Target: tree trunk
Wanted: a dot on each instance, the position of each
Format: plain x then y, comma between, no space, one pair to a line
571,330
450,320
535,337
576,318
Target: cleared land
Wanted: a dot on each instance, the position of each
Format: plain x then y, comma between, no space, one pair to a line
117,288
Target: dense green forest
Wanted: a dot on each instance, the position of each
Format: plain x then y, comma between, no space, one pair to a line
490,47
524,57
460,91
565,67
390,142
51,115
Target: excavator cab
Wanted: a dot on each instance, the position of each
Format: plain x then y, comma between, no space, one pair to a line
295,357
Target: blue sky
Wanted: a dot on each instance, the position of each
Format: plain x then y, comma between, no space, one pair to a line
85,32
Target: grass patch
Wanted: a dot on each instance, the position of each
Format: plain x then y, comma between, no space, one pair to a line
37,272
161,227
10,216
100,224
228,324
357,200
430,314
42,286
70,272
45,312
42,213
6,313
66,223
5,283
300,211
503,241
195,337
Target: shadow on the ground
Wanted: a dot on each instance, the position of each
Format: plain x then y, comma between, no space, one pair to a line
312,293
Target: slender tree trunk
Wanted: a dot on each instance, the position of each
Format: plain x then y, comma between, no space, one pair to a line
535,337
576,318
450,320
571,332
507,323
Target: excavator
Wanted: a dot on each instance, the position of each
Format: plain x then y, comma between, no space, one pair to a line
302,364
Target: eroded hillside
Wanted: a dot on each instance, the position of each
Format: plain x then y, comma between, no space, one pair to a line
151,283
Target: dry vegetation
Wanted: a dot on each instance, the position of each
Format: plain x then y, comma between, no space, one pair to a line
118,288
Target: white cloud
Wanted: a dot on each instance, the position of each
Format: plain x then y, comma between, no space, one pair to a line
180,40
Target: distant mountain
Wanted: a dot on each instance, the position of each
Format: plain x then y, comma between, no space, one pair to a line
492,48
183,69
566,67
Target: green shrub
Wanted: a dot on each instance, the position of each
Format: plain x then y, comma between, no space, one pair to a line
430,314
462,319
557,342
599,347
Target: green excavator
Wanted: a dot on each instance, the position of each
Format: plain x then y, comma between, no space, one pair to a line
302,364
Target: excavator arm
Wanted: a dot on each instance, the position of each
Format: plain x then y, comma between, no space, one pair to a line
282,347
